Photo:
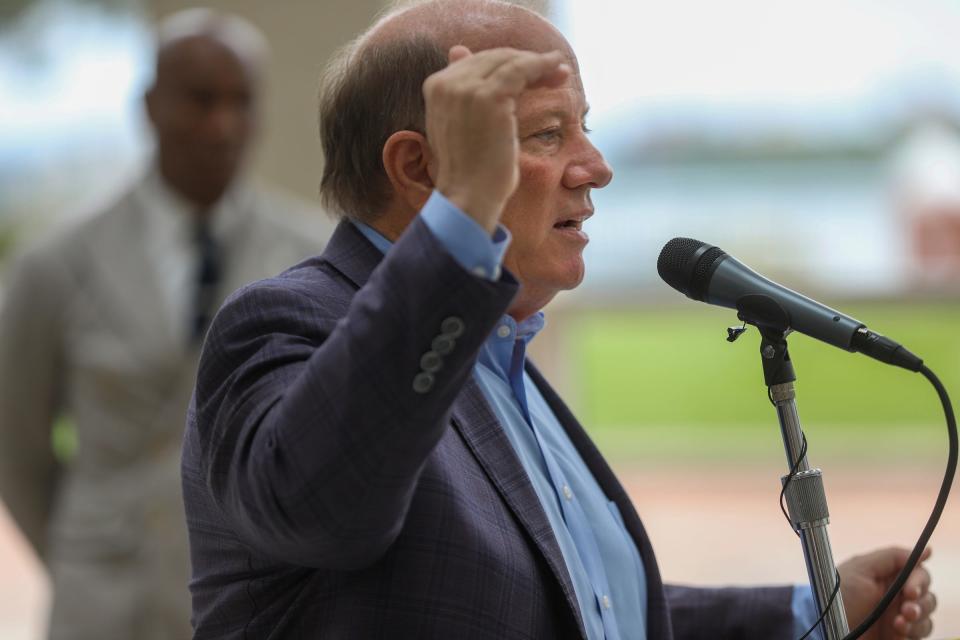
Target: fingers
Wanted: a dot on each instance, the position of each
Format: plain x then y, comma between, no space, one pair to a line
887,562
913,620
471,123
529,70
912,630
917,584
920,609
506,72
928,604
921,630
872,573
457,52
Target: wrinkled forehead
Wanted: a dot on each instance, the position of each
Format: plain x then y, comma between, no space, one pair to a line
565,103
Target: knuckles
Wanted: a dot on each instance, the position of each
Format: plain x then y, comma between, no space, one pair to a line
464,95
454,84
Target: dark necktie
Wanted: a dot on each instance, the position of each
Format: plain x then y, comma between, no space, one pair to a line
206,281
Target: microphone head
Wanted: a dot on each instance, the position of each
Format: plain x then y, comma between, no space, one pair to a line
687,265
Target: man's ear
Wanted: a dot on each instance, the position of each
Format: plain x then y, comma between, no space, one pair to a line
407,159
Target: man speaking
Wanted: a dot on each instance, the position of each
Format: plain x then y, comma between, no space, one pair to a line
369,454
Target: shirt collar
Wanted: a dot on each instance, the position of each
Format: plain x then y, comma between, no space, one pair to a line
172,212
374,236
497,352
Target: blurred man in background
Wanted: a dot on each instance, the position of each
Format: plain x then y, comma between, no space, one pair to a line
369,454
102,324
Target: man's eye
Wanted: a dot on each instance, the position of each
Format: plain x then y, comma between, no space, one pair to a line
547,135
585,128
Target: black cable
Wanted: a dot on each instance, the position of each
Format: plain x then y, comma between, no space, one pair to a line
918,549
826,609
934,516
796,530
790,476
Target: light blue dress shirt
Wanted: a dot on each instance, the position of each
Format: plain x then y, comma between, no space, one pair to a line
602,560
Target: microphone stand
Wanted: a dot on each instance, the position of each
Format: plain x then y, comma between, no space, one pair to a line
804,493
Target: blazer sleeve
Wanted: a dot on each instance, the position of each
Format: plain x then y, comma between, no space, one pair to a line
750,613
311,433
31,371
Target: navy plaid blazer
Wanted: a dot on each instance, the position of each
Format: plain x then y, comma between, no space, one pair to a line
329,495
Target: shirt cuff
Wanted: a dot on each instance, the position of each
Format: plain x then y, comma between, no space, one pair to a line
469,244
804,612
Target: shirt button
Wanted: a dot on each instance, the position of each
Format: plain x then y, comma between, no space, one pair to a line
567,493
479,271
606,602
503,331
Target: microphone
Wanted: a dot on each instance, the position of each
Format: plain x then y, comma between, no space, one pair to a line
707,273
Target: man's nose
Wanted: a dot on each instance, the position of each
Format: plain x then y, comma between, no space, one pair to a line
227,122
588,168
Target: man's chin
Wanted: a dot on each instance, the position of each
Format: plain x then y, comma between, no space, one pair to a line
577,270
570,280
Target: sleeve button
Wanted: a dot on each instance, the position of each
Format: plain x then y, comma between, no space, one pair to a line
431,362
423,382
453,326
443,344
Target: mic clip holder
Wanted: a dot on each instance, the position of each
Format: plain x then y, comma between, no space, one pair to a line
735,332
773,322
803,485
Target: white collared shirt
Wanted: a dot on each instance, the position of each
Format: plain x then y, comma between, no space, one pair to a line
171,248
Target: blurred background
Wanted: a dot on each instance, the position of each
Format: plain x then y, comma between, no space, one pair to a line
817,142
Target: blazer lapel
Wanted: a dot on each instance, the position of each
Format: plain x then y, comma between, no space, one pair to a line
126,291
480,429
658,614
356,258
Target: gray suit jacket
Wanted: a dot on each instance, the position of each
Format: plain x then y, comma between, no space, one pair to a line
83,334
334,492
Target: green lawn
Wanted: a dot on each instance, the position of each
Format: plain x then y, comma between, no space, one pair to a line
665,382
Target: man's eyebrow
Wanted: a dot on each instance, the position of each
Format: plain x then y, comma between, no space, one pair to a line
560,113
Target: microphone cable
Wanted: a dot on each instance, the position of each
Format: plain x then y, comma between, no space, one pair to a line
783,508
914,556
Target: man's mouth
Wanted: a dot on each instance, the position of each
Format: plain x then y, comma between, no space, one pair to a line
572,227
572,223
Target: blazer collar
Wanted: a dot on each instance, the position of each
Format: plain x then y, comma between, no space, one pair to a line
350,253
119,284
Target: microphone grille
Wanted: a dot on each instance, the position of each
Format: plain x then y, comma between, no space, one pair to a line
687,265
705,268
673,265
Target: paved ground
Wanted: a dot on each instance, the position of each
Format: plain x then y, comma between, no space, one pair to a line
721,527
